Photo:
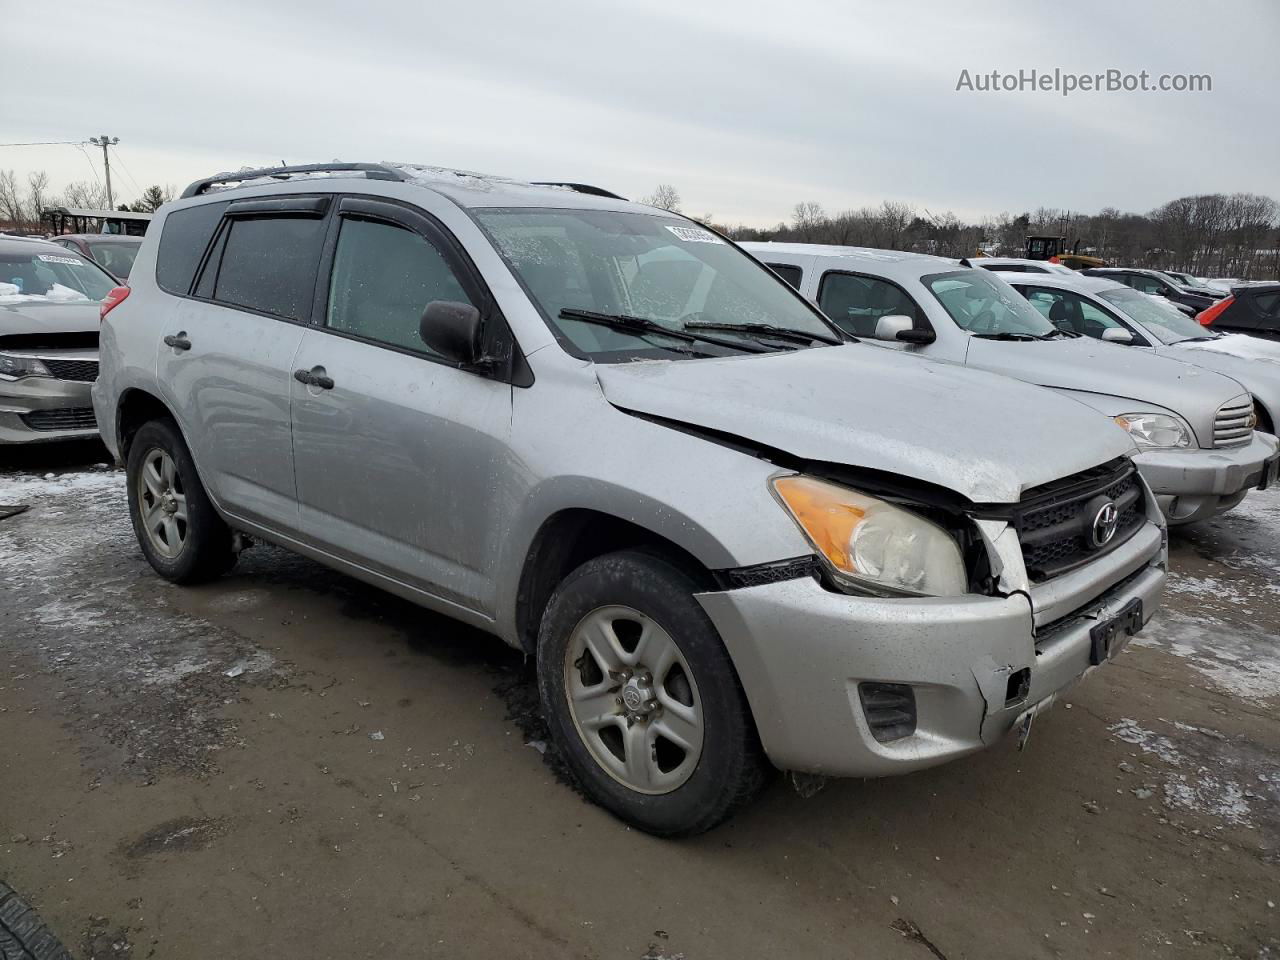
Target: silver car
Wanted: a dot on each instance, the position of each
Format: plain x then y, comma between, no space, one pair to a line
1193,427
50,300
1106,310
731,537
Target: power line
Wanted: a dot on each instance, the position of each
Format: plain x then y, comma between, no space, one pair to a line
45,143
92,169
127,173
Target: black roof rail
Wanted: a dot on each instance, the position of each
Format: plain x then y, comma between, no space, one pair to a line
372,171
579,188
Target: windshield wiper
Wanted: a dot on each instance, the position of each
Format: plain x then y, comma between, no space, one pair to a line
644,326
1006,335
780,333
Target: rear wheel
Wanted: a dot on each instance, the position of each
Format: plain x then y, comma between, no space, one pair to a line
642,698
180,533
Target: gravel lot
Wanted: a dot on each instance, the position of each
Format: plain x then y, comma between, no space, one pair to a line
287,763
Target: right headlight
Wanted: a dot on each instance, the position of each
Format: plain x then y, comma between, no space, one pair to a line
871,544
1156,430
14,367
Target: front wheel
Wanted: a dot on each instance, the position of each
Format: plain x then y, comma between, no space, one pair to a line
642,698
180,533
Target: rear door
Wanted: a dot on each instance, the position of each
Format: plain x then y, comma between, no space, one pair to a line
400,454
225,361
1265,310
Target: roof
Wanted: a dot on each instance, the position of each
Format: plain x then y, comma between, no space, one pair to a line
102,237
1061,281
101,214
466,188
24,245
833,250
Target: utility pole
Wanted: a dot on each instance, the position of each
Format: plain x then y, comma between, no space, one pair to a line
104,141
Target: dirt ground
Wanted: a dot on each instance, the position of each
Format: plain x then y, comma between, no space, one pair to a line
287,763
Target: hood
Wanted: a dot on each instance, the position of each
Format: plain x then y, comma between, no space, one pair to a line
1087,366
987,438
1237,345
30,315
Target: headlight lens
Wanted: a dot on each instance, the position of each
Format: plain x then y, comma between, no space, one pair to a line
873,544
1155,430
14,367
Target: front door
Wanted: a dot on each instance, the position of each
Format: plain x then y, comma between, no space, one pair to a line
399,455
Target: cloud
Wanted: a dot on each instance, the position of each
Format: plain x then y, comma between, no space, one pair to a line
746,107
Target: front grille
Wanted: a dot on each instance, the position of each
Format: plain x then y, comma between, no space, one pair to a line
70,418
82,370
1234,423
1054,521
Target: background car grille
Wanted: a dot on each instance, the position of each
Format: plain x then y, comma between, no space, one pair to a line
70,418
1053,521
1234,423
82,370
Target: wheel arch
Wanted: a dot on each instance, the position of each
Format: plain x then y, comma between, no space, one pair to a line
569,538
136,407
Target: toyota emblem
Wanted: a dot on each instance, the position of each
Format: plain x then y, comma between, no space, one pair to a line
1104,525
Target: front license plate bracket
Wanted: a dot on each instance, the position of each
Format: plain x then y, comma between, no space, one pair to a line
1111,636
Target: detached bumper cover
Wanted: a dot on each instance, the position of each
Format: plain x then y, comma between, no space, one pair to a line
35,409
801,651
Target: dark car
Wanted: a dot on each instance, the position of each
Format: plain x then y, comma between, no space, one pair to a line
1158,284
1254,310
111,252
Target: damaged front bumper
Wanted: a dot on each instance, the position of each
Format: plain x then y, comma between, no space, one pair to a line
974,665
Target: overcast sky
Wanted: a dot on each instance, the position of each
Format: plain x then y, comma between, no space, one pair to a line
745,107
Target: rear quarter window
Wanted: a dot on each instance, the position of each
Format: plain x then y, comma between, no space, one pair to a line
183,240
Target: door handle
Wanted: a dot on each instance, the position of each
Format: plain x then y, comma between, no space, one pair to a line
178,340
315,377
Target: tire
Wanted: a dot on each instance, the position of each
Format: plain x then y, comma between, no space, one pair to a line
629,741
23,935
193,543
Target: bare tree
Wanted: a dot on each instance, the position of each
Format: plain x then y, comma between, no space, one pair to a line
666,196
84,194
807,220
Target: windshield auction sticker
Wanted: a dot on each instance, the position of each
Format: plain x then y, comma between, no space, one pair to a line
694,234
71,260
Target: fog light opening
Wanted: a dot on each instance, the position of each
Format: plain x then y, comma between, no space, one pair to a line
1018,688
890,709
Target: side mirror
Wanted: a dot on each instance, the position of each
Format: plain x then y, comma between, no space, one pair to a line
452,330
1116,335
889,327
897,328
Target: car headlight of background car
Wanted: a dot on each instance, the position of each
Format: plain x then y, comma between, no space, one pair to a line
13,367
1156,430
872,545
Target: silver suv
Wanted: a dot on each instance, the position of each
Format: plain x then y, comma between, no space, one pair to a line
731,535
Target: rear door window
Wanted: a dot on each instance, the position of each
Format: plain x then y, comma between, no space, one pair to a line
856,303
268,264
184,237
383,278
788,272
1268,305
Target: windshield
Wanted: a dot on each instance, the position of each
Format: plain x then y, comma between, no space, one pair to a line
50,275
1162,319
656,268
985,305
116,257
